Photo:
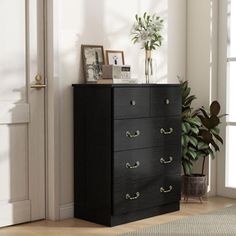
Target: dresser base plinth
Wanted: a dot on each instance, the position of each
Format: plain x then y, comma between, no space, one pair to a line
99,218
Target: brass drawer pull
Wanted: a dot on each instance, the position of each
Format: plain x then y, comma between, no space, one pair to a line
132,103
167,101
163,161
163,131
136,134
128,197
162,190
136,165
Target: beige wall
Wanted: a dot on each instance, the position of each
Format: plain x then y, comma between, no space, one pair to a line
106,22
202,44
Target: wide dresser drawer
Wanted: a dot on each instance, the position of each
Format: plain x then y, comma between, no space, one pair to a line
146,132
132,196
138,164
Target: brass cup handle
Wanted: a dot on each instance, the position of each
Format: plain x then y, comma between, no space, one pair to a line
163,190
136,196
136,165
163,131
136,134
164,161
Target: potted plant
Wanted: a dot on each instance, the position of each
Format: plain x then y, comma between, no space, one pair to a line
199,140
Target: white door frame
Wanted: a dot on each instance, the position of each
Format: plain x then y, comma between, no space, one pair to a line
222,190
52,120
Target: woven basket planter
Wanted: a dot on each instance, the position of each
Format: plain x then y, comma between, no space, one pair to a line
194,185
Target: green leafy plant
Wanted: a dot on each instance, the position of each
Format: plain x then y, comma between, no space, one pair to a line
190,130
147,31
200,130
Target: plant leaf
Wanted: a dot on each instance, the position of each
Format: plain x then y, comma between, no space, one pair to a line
218,138
216,147
194,121
192,154
195,130
202,146
215,108
193,141
189,100
204,112
215,130
206,135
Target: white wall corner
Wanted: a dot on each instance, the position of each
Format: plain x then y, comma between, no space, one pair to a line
202,68
67,211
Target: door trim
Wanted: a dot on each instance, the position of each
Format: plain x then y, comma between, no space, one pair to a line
222,190
52,120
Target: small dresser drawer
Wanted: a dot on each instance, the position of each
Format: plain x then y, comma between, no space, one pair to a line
132,196
144,133
165,101
131,102
138,164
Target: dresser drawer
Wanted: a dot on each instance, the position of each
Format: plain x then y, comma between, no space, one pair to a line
131,102
133,196
147,132
165,101
146,163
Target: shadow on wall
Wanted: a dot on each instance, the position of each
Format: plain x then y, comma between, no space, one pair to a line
97,30
96,27
93,31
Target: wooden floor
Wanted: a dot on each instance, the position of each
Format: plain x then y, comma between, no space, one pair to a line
76,227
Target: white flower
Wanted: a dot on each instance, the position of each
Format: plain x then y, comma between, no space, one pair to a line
146,30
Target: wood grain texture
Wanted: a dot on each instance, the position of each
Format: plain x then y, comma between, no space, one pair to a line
165,101
92,161
149,194
102,117
75,227
150,161
131,102
149,132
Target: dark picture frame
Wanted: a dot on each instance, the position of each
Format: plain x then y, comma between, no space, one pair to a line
115,57
92,59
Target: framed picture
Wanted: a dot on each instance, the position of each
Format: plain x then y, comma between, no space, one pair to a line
115,57
93,59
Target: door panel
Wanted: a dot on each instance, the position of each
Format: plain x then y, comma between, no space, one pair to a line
14,113
13,167
13,50
22,149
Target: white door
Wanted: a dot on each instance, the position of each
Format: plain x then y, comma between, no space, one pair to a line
226,161
22,118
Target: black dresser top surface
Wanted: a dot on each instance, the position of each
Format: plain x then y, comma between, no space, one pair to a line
123,85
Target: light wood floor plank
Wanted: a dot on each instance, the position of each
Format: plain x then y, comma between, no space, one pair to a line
77,227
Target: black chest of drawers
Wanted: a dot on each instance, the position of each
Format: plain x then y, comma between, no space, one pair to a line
127,161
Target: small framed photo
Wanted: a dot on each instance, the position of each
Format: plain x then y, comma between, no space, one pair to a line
115,57
92,59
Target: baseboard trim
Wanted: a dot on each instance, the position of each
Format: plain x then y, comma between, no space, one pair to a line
67,211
